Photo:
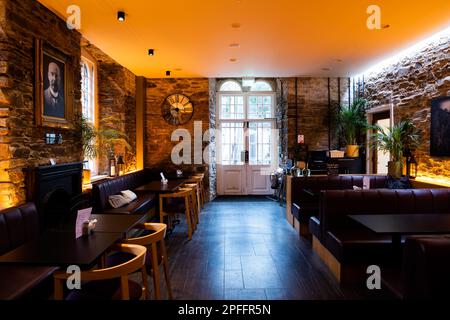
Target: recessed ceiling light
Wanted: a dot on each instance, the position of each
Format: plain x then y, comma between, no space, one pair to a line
121,16
234,45
339,60
151,52
325,69
168,73
178,69
233,60
236,25
385,26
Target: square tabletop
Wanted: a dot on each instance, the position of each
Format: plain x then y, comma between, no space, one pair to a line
117,223
62,249
159,187
404,224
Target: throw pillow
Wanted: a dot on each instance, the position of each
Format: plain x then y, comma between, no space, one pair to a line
356,188
130,195
117,201
402,183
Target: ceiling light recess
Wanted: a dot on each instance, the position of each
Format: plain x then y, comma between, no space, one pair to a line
121,16
151,52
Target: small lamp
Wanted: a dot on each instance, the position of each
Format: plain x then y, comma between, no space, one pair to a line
112,166
411,165
120,165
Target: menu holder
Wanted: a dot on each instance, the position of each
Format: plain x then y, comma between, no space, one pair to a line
82,216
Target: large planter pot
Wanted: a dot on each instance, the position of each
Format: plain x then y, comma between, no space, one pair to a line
395,169
352,151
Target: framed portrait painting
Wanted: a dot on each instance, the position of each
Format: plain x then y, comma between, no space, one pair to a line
440,127
54,86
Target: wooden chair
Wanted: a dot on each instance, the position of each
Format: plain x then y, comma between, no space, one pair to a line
199,180
192,183
192,188
157,257
98,278
177,207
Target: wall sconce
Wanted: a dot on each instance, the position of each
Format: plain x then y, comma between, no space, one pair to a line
120,165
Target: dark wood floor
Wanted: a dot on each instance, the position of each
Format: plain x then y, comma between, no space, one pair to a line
244,249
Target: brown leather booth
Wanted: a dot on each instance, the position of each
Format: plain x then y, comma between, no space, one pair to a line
102,190
343,243
305,194
18,226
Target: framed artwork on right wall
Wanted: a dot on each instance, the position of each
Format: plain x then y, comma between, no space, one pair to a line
440,127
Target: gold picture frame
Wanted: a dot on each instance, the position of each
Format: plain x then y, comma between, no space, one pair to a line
53,87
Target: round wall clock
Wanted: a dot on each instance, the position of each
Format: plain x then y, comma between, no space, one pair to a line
177,109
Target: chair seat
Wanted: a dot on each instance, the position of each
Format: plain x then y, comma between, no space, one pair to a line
314,227
105,290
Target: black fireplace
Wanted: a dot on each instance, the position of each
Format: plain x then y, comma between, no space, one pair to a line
54,189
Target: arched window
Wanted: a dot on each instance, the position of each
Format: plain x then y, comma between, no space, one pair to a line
261,86
231,86
88,100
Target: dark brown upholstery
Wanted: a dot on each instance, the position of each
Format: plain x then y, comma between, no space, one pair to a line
101,192
348,240
306,190
18,226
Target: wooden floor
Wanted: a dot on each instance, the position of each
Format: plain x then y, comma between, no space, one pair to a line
244,249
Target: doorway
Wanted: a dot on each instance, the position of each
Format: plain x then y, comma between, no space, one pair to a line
247,141
380,158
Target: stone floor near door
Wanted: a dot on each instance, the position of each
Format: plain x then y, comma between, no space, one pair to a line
245,249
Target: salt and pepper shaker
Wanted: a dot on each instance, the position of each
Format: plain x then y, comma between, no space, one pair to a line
85,228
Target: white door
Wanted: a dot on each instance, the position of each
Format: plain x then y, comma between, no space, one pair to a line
247,143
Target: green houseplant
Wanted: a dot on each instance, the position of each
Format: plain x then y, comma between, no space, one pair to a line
98,143
396,140
351,121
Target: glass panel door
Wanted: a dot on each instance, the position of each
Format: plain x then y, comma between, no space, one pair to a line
260,143
232,143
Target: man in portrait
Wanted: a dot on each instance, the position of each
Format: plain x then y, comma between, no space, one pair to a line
54,94
440,128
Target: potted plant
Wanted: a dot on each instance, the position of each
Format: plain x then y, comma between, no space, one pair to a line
397,140
351,121
96,143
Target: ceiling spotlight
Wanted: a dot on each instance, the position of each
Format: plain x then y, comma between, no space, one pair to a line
325,69
178,69
121,16
151,52
168,73
236,25
233,60
385,26
234,45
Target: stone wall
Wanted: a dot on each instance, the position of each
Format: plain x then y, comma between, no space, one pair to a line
410,84
158,133
22,144
116,93
308,111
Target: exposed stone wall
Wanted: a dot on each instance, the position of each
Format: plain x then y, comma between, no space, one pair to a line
22,144
158,133
309,111
116,93
212,143
410,85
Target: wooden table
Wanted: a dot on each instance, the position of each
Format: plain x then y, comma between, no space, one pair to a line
397,225
117,223
157,187
15,281
62,249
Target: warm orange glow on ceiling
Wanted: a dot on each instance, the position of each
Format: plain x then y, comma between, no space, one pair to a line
276,37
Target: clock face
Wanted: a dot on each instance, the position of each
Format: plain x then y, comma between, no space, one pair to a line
177,109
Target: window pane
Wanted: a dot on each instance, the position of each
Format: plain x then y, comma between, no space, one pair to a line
230,86
261,86
232,143
260,107
260,143
232,107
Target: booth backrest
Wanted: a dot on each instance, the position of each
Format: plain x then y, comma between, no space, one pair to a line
18,226
102,190
335,205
